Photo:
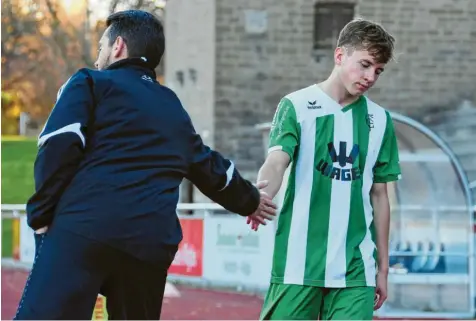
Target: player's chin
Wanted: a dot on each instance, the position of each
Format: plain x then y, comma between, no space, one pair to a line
358,89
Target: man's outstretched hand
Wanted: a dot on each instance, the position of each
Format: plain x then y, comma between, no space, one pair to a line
266,209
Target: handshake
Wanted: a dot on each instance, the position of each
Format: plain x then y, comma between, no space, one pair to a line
265,211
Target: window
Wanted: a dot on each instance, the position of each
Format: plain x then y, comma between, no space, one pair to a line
329,19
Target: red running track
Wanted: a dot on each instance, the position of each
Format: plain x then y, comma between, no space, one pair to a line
193,304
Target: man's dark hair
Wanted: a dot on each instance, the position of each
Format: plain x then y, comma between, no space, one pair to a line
142,32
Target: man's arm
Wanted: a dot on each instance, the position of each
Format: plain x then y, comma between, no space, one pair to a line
218,179
386,169
273,170
284,139
381,206
61,146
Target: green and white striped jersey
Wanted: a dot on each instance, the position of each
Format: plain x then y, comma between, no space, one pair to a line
325,235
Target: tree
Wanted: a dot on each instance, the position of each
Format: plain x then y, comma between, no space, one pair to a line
19,50
43,45
41,48
10,114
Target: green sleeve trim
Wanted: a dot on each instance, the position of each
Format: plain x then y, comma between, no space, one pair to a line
387,166
388,178
284,131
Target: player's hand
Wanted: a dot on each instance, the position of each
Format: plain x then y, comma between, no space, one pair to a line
42,230
265,211
380,290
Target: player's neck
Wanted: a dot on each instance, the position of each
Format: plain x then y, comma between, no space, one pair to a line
333,87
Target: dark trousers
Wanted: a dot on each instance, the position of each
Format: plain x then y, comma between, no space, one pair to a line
69,271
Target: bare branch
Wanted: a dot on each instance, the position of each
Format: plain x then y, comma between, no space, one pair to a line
113,5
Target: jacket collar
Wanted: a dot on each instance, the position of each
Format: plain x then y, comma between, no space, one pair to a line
136,63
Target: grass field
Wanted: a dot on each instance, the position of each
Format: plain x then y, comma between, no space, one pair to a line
18,156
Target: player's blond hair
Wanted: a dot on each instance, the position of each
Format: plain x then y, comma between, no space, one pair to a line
361,34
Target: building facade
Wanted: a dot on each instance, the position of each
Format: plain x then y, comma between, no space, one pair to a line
230,62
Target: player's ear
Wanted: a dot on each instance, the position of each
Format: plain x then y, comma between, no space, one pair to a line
339,53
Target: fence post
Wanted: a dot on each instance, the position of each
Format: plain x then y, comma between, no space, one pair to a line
16,235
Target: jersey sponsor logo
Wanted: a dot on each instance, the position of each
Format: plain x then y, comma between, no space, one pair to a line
336,170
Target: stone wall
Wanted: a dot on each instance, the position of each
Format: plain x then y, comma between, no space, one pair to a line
190,60
434,68
230,77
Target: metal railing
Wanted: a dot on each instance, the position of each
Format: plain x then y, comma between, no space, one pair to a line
209,210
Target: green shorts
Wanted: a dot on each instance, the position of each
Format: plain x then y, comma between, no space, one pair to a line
298,302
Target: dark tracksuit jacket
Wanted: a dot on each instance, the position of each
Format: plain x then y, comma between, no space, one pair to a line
112,155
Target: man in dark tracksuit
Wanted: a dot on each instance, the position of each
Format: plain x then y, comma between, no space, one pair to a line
111,158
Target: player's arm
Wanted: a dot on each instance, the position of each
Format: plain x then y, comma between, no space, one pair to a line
386,169
273,170
381,206
283,140
217,178
61,146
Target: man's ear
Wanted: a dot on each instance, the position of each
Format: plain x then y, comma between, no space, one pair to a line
119,48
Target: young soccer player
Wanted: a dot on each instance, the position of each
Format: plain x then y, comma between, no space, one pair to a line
331,248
